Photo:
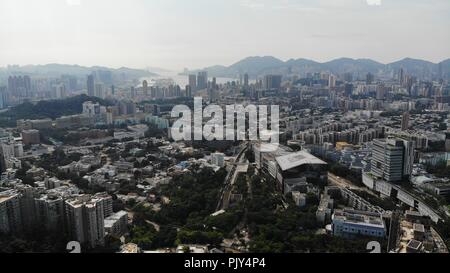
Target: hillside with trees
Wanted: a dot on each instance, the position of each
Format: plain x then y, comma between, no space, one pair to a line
47,109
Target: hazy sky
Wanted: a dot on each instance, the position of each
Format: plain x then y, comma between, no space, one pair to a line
197,33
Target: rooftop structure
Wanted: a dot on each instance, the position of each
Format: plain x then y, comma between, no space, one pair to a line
293,160
349,223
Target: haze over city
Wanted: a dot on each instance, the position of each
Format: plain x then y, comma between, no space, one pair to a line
174,34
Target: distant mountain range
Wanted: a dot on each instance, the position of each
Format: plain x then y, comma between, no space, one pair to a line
73,70
256,66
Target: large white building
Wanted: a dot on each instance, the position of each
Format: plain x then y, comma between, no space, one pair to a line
298,168
350,222
288,168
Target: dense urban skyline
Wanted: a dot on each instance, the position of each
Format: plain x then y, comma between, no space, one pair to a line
150,33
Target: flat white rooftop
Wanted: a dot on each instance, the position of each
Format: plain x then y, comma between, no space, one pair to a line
293,160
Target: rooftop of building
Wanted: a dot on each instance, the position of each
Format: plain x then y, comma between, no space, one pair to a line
8,194
413,244
29,131
359,217
418,227
293,160
192,248
82,200
116,216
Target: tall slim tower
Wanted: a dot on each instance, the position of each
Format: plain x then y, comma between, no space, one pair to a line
91,85
3,97
405,121
188,92
401,76
145,88
27,86
133,92
332,81
202,80
214,83
98,90
193,82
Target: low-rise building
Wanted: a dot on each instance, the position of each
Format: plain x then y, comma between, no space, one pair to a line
218,159
323,213
349,223
299,198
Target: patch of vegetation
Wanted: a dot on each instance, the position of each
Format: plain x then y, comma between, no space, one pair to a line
439,170
46,109
193,198
274,229
444,231
36,241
